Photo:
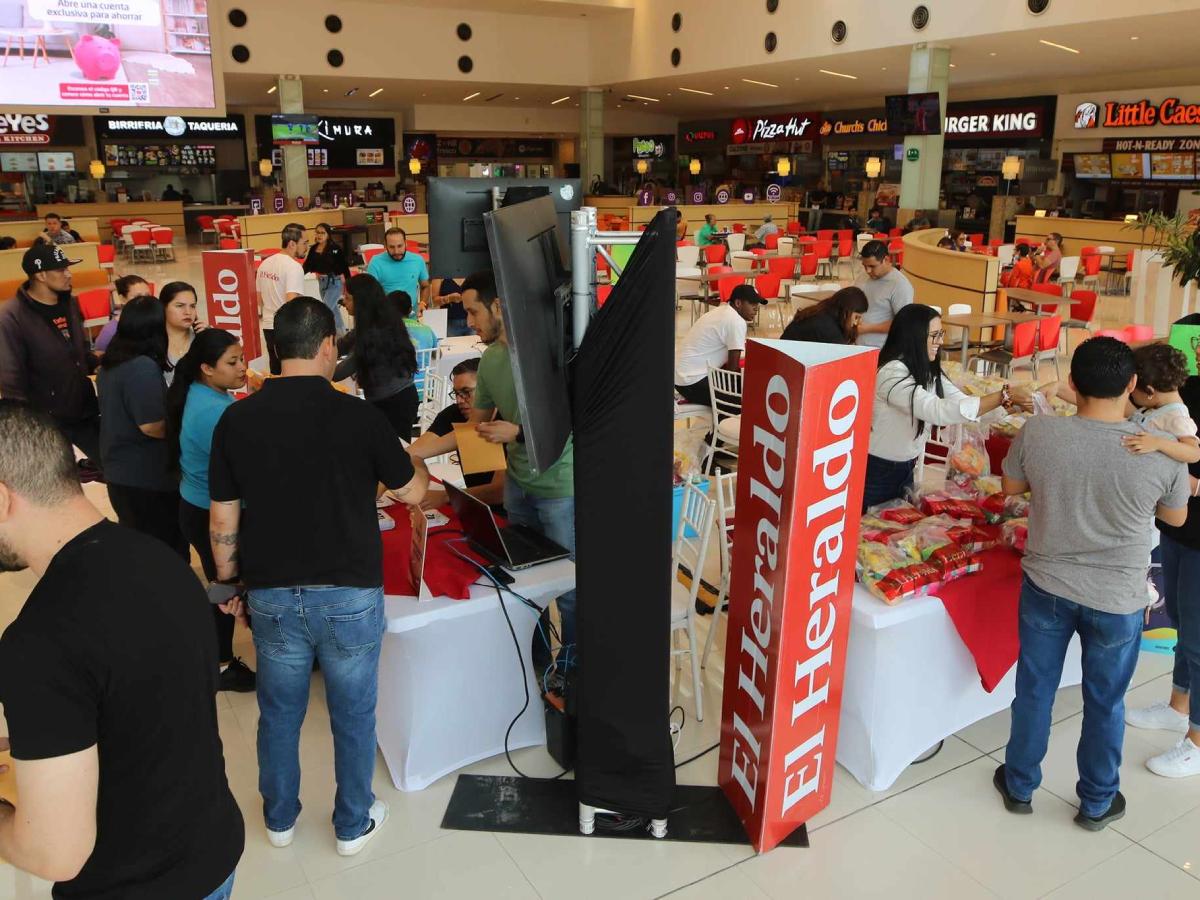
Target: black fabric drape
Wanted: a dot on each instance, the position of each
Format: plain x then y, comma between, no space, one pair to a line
623,465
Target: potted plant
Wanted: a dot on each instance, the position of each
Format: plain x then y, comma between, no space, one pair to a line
1177,241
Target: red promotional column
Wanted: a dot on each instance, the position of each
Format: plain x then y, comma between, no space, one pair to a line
806,424
230,298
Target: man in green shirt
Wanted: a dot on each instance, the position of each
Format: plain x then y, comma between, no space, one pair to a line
704,237
543,501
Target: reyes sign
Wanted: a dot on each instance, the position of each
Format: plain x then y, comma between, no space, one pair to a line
798,500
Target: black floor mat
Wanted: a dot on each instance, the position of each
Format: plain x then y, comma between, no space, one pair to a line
527,806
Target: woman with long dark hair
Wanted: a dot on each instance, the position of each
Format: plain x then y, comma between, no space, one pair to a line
133,452
213,366
381,355
911,395
327,261
179,307
832,321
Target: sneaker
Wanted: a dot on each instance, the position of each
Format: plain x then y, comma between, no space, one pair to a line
1181,761
237,677
1011,803
281,839
1158,716
1116,810
379,814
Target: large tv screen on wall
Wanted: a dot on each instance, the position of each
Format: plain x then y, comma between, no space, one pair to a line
914,114
135,53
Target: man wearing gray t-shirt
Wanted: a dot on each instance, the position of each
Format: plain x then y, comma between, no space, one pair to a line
887,290
1092,510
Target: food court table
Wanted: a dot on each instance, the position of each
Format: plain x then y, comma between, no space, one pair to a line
985,320
911,682
1037,299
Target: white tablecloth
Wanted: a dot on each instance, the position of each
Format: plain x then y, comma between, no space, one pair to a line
448,680
911,682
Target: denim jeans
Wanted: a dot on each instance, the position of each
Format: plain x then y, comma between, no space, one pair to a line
555,518
331,295
225,891
343,628
458,328
886,480
1110,650
1181,583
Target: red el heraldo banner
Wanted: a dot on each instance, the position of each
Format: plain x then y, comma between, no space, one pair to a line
230,298
806,424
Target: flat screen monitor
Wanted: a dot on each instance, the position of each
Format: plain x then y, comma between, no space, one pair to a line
135,53
56,162
1130,165
1173,166
914,114
294,129
1092,165
534,289
457,243
18,162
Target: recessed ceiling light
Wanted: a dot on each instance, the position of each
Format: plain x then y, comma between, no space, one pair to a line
376,92
953,66
726,87
762,83
993,53
272,88
1058,46
324,90
883,68
470,97
618,106
838,74
560,100
695,91
516,98
1134,38
640,97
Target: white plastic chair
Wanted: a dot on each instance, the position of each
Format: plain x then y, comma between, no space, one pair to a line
743,261
726,389
438,320
1068,268
787,246
691,553
435,396
726,491
736,241
1004,253
688,255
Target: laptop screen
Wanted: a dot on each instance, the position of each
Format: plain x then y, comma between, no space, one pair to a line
477,521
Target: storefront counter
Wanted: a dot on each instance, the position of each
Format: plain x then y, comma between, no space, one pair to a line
1080,233
727,215
25,232
160,212
941,277
262,232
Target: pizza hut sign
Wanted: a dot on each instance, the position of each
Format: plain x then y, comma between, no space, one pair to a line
775,128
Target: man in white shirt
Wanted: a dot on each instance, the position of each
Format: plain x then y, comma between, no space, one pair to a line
716,340
887,290
280,279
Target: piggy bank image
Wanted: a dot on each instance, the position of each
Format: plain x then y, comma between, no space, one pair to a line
98,58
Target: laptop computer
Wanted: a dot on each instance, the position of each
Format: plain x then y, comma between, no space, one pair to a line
514,546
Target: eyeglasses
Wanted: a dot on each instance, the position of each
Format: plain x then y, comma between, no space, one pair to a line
463,393
937,336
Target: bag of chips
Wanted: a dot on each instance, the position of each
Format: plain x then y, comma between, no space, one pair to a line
975,538
986,485
945,503
993,506
874,528
897,511
968,457
876,559
954,562
919,542
901,584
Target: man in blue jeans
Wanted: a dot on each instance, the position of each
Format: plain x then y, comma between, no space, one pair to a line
294,474
1092,510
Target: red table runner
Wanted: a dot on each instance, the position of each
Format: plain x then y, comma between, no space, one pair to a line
984,610
445,573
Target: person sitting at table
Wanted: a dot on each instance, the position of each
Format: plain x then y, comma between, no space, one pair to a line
704,237
380,354
760,235
888,290
1050,255
716,340
487,486
1020,275
910,396
918,222
54,232
832,321
1090,529
946,242
876,221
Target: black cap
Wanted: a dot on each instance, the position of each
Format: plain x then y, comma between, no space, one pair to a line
746,294
43,257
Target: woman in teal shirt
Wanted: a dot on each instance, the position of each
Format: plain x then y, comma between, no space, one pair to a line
213,366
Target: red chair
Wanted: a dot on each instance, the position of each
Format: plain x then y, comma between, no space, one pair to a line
1087,251
414,246
227,243
107,255
808,265
1042,275
207,227
783,266
845,247
880,236
1091,271
163,239
771,241
602,292
824,254
794,228
726,285
269,251
845,234
1082,312
1048,335
895,247
141,244
1024,349
898,258
1140,333
895,232
824,234
1051,290
767,286
95,306
714,254
685,243
976,240
116,225
1027,241
996,242
739,228
759,251
1128,273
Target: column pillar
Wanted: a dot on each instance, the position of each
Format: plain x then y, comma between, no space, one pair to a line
293,180
921,179
591,135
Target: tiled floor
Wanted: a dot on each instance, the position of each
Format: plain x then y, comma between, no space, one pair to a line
939,832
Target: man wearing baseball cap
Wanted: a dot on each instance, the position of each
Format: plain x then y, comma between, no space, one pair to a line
45,354
715,340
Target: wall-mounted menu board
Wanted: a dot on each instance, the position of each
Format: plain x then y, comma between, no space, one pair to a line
1130,165
1173,166
173,158
56,162
1092,165
18,162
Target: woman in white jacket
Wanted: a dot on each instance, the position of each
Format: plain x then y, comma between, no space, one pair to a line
910,396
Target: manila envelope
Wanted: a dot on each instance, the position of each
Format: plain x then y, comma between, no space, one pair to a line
476,455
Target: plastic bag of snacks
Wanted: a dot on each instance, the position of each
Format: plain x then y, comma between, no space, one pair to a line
1016,533
993,506
874,528
987,485
689,452
968,458
919,542
876,559
897,511
954,562
953,504
975,538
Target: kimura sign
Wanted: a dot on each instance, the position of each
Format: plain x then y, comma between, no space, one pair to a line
798,500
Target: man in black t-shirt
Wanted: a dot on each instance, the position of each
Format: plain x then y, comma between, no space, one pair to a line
306,461
108,678
487,486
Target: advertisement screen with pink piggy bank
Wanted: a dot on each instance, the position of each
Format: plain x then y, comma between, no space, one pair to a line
143,53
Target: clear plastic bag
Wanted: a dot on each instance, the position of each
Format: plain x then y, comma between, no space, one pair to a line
897,511
968,457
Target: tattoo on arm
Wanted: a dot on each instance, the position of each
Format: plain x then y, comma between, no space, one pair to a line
219,538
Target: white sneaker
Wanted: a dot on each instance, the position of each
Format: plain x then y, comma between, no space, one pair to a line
1158,716
379,814
281,839
1181,761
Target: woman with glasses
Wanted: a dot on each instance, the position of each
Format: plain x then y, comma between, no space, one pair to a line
487,486
910,396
